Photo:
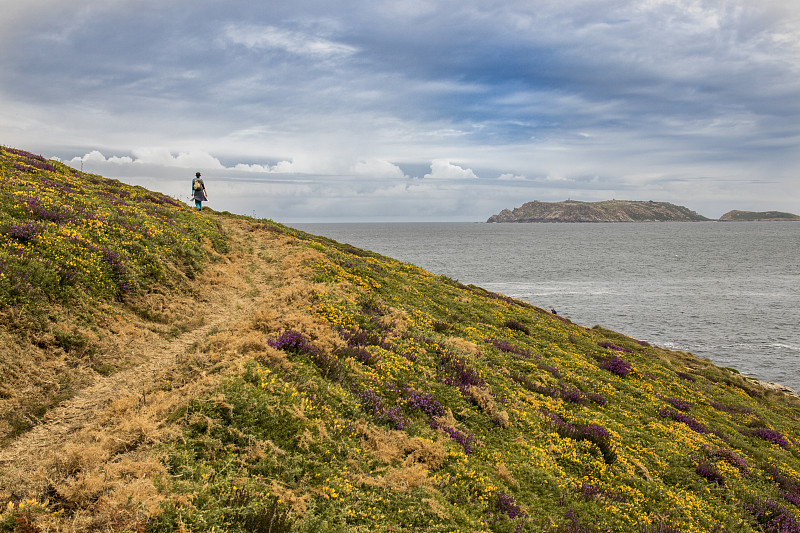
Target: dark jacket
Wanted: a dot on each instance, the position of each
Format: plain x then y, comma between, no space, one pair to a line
199,194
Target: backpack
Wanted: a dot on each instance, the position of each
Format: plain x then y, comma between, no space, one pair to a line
196,184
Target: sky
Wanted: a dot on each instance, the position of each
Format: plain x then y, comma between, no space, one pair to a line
413,110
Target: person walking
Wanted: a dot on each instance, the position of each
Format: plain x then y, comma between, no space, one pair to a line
199,192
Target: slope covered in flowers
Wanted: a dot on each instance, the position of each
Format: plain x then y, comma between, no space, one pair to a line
444,407
63,233
405,401
72,247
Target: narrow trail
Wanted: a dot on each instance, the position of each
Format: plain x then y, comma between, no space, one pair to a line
82,410
124,412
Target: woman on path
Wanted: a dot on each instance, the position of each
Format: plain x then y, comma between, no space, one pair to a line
199,192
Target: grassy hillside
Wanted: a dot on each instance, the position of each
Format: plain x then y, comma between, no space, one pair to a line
328,388
71,246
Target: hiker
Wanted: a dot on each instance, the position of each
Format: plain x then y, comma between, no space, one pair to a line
199,192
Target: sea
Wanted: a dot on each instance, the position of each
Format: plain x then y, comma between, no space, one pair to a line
725,291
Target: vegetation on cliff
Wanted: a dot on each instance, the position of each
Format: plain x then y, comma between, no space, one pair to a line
607,211
753,216
313,386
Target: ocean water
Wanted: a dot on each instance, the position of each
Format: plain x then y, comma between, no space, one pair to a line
729,292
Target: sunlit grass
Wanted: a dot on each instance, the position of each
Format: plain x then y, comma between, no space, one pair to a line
407,401
510,419
66,234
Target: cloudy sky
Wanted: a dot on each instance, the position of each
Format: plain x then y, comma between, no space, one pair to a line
313,110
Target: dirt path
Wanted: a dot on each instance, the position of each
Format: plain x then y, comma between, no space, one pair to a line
161,356
99,442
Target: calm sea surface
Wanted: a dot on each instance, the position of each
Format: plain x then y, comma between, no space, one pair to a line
726,291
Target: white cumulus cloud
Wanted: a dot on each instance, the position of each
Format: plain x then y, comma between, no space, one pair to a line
377,168
163,156
155,156
445,170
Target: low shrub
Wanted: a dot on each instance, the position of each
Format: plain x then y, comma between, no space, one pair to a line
617,366
516,326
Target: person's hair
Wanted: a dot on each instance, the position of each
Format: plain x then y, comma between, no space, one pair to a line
197,174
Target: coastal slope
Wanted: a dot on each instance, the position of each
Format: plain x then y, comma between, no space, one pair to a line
606,211
168,370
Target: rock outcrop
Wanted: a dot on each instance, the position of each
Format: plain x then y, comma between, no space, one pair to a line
607,211
756,216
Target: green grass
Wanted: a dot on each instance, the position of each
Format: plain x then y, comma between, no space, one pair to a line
508,459
67,235
453,409
72,246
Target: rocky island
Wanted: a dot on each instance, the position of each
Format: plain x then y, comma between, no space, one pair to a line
756,216
606,211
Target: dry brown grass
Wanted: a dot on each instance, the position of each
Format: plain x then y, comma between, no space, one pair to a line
393,446
396,320
464,346
505,474
409,460
92,452
483,399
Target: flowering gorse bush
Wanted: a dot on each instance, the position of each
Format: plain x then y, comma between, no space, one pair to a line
399,431
544,390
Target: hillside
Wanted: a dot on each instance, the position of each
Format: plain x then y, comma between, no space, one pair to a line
165,370
607,211
756,216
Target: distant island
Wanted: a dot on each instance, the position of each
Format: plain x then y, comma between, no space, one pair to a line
606,211
756,216
623,211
